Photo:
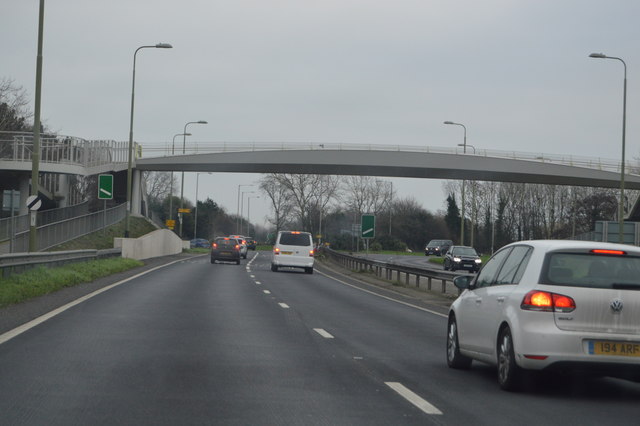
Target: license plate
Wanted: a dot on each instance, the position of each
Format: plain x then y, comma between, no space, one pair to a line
286,252
598,347
225,253
467,266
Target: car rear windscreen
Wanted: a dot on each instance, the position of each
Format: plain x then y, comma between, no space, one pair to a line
226,243
295,239
592,270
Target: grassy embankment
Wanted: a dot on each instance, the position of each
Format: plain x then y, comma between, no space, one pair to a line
42,280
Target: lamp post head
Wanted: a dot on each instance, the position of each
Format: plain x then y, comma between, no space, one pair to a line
449,122
598,55
163,46
202,122
186,134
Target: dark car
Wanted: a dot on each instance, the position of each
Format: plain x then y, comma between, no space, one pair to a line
251,244
225,248
199,243
462,257
437,247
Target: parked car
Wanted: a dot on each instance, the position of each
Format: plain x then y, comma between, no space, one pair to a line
293,249
437,247
567,306
225,248
199,243
462,257
243,244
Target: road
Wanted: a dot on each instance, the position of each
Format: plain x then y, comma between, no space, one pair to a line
195,343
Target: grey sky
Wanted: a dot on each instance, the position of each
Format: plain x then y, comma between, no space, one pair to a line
516,73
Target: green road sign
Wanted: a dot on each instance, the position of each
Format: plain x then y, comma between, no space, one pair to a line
368,226
105,187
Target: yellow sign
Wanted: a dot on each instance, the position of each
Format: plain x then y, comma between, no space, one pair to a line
170,223
184,210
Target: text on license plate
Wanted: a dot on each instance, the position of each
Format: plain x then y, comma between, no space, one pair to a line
286,252
598,347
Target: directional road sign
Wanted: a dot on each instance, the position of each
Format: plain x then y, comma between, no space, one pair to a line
368,227
105,187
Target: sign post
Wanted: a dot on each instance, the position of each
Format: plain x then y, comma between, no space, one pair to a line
105,192
368,228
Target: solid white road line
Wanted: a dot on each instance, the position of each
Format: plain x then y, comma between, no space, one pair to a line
379,295
323,333
29,325
283,305
422,404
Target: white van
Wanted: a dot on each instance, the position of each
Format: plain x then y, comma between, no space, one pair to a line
293,249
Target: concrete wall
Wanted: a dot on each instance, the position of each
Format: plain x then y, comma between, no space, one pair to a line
158,243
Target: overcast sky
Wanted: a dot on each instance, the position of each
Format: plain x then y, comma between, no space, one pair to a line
515,72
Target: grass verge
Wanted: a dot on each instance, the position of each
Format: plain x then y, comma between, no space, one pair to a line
39,281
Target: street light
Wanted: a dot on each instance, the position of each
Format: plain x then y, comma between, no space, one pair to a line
248,212
242,208
195,219
462,208
133,88
184,143
473,199
173,151
624,129
238,210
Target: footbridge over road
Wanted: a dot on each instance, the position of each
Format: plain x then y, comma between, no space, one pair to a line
395,161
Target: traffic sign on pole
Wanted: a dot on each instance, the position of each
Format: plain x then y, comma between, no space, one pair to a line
34,202
368,226
105,187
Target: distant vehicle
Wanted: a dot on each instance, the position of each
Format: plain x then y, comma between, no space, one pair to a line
559,306
243,244
437,247
462,257
251,243
199,243
225,248
293,249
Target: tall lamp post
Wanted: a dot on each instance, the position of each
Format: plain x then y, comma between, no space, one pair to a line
462,208
238,210
184,144
173,152
249,213
473,200
195,219
242,208
133,89
624,129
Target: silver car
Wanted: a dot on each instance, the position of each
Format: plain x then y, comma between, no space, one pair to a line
570,306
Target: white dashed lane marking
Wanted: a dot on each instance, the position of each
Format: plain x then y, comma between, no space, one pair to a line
266,291
413,398
323,333
283,305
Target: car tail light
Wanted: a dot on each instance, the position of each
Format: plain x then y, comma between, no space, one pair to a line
609,252
276,250
545,301
214,245
310,253
237,247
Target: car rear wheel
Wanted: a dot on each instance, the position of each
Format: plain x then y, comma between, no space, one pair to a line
509,373
308,270
454,358
213,260
238,262
274,268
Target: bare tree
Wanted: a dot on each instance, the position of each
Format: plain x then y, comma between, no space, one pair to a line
280,198
14,111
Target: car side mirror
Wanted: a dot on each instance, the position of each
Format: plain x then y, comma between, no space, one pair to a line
463,282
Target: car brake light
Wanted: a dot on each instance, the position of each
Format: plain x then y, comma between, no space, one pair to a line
276,250
545,301
215,245
310,253
609,252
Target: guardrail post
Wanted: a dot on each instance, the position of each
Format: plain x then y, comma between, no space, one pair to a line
417,281
428,283
444,286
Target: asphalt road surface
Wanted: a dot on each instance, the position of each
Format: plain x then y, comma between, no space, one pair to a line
195,343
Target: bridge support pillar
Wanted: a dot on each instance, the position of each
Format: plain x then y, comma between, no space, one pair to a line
63,193
136,193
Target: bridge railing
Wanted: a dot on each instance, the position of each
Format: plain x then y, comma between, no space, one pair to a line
163,150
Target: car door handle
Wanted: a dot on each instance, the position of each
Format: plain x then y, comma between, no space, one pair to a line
500,299
478,301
